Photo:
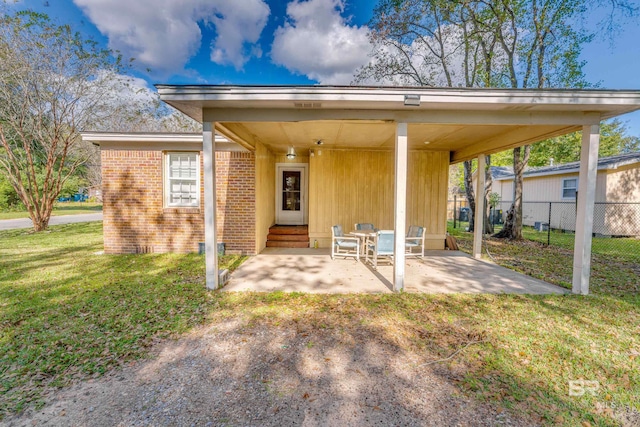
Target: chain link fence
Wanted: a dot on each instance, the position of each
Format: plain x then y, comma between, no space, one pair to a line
616,226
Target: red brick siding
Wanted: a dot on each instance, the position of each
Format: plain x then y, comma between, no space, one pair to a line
135,219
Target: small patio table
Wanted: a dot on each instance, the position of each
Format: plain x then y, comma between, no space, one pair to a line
363,235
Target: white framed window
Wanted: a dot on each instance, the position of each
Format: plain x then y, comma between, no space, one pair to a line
569,188
182,179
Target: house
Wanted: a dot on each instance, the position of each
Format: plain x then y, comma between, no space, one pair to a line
617,194
324,155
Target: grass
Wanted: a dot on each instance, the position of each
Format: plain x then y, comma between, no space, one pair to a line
64,208
67,314
529,347
615,262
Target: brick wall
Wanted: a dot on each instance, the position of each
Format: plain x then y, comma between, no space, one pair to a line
135,219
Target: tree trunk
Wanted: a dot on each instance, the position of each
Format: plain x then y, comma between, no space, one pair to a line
40,224
40,214
513,225
488,224
468,189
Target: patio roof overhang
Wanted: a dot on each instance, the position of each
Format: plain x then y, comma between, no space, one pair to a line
464,122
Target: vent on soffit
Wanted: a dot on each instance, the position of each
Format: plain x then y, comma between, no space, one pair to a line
307,104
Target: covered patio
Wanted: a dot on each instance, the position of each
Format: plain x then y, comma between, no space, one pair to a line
313,271
381,155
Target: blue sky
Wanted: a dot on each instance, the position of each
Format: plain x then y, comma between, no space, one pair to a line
275,41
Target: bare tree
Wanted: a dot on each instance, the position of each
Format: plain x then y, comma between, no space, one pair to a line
484,43
136,109
433,43
52,84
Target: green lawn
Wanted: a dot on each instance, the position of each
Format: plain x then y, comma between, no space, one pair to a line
620,249
65,208
68,313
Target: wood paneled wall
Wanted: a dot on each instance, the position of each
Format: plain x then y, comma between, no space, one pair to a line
282,158
349,186
427,191
265,194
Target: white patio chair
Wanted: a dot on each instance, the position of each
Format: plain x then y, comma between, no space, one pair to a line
361,226
342,245
379,245
414,242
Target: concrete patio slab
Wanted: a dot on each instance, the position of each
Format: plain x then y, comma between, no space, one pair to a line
313,271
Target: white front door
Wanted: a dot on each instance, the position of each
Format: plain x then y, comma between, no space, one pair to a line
291,188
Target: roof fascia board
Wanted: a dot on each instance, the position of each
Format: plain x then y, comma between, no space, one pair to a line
156,141
167,146
427,95
576,169
141,137
622,163
535,174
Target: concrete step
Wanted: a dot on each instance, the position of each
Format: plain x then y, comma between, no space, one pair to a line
289,237
286,244
289,229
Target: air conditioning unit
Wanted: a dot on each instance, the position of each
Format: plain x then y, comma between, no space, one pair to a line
541,226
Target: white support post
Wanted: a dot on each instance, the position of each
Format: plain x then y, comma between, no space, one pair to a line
400,204
210,238
584,214
478,224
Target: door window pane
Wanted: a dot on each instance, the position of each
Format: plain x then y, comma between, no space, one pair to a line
291,180
291,190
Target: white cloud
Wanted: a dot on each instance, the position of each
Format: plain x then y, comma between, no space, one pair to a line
164,34
319,43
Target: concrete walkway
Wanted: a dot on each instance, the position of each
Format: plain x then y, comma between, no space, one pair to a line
10,224
312,270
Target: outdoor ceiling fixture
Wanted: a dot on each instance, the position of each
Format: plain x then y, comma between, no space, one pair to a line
412,100
291,153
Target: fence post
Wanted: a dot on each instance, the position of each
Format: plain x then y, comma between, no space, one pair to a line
455,206
549,227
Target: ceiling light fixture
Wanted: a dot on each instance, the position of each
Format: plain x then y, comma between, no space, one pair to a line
319,142
291,153
412,100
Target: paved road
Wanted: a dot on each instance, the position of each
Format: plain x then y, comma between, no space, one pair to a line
10,224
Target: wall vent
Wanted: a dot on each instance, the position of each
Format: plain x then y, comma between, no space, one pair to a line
144,249
307,104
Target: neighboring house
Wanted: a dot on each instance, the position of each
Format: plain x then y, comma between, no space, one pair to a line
617,194
319,156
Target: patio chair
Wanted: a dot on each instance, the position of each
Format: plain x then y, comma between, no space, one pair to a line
365,226
342,245
414,244
380,245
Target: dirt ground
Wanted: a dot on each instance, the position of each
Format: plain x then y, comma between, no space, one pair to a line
233,373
